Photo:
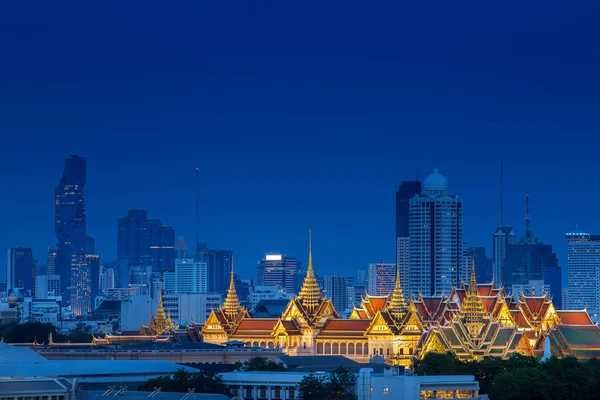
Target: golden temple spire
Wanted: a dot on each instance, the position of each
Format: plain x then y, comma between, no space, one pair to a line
232,305
398,306
310,294
472,307
160,323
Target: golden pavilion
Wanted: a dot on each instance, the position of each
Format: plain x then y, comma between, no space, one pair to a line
473,321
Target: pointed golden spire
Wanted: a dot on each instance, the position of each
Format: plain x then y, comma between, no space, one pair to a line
160,323
310,294
397,306
232,305
472,308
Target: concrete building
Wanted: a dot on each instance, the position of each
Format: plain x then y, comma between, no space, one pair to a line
259,293
436,239
84,282
191,276
219,264
406,191
503,237
47,287
393,384
382,279
135,312
188,308
531,288
584,272
19,269
278,270
336,288
44,311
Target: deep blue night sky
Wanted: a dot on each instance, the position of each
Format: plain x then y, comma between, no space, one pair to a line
299,115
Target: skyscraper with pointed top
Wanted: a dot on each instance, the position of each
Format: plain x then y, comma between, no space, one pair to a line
70,227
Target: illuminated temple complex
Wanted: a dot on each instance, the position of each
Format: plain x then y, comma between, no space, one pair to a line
473,321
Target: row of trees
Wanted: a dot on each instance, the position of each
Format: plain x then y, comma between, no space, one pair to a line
30,331
338,385
521,377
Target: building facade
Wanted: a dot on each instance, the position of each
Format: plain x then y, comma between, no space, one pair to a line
381,279
336,288
583,271
406,191
85,282
278,270
20,269
436,239
503,237
144,241
70,222
219,265
191,276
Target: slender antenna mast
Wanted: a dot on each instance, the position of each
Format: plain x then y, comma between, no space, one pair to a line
501,192
197,208
527,218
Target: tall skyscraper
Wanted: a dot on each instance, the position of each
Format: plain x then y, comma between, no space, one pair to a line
278,270
436,249
531,260
382,279
219,267
336,289
406,191
583,272
503,236
20,269
142,241
51,261
70,222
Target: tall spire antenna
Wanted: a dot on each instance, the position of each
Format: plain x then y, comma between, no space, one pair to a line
197,208
527,218
501,192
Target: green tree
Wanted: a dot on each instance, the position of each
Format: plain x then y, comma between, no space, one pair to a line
338,385
261,364
441,364
81,334
182,381
27,333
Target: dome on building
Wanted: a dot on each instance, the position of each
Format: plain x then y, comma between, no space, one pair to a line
12,299
435,184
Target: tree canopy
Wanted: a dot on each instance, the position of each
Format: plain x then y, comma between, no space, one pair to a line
338,385
30,331
182,381
260,364
520,377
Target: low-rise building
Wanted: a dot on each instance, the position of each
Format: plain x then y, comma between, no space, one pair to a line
392,384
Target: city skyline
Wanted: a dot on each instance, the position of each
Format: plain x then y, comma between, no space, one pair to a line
296,128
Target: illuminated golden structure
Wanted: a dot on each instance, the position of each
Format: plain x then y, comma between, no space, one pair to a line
473,321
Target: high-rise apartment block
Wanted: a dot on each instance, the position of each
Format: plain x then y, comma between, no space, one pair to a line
382,279
20,269
406,191
145,241
436,249
584,272
191,276
503,237
278,270
85,282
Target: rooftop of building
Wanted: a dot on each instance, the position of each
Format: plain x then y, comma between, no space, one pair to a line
134,395
325,363
34,386
12,354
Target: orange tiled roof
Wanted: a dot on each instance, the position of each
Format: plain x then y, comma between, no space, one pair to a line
574,317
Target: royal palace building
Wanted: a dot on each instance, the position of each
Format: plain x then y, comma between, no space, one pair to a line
473,321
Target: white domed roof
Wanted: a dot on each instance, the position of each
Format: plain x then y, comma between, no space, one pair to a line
435,184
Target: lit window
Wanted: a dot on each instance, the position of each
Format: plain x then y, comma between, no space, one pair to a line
386,391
